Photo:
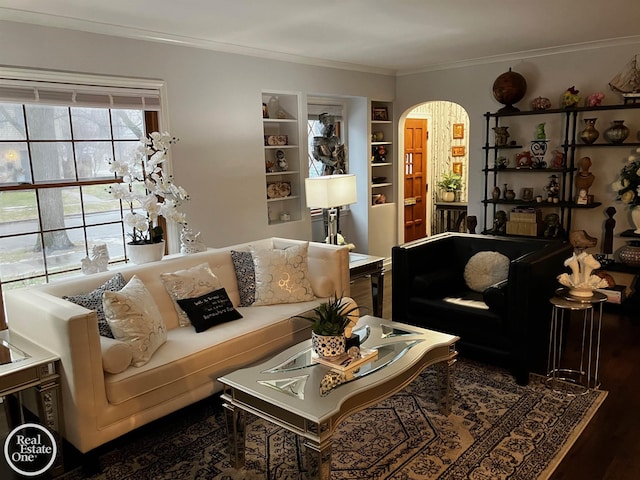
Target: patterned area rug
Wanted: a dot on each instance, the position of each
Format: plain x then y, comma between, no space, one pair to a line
497,430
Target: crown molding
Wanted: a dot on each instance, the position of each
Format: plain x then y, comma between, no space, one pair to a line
517,56
57,21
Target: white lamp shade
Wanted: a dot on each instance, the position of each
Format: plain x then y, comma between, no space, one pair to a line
331,191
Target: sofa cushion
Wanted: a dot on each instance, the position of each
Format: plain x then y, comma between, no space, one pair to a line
188,359
484,269
93,301
189,283
116,355
209,309
134,318
282,275
246,276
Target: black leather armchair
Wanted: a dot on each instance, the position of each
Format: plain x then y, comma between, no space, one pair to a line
513,331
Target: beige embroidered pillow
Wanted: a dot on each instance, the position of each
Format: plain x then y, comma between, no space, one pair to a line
189,283
282,275
134,318
485,269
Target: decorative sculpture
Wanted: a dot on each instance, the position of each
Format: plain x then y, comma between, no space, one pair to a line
98,262
584,180
328,149
190,243
581,281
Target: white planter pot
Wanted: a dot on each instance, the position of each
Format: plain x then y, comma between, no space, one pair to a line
151,252
635,216
328,345
448,196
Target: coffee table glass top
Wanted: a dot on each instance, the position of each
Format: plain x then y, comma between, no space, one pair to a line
294,381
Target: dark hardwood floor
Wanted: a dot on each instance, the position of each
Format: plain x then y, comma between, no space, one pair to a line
609,447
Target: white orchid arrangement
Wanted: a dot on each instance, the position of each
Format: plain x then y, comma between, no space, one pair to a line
146,187
628,184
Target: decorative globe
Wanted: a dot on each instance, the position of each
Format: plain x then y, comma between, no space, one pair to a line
508,89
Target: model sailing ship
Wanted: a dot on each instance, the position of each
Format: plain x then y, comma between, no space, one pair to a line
627,82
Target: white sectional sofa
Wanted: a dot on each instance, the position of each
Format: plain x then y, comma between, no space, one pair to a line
100,406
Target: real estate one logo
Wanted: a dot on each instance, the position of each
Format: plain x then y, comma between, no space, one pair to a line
30,449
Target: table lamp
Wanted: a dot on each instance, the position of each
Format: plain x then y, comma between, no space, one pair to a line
331,192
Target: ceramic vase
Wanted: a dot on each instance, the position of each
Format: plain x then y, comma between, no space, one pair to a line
635,217
617,133
495,193
328,345
589,134
448,196
630,254
146,253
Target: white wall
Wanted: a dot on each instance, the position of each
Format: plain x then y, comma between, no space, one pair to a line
547,76
214,108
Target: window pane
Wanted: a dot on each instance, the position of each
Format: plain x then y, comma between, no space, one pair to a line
92,159
18,212
128,124
48,123
111,235
14,163
59,259
90,124
59,208
12,122
125,150
19,258
99,205
52,161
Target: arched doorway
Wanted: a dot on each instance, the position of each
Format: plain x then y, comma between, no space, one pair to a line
433,142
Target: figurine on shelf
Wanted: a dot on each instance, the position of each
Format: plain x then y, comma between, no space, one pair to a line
524,160
502,135
553,228
558,159
581,282
540,134
380,154
595,99
570,97
500,222
553,189
584,180
281,160
325,148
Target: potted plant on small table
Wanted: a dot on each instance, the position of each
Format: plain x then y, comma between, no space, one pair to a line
450,184
150,193
332,324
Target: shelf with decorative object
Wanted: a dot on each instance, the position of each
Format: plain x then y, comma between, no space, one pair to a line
282,156
571,141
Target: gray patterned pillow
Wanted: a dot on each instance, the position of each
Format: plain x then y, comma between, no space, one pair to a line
93,301
246,277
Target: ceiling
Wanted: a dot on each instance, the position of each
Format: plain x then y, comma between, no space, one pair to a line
386,36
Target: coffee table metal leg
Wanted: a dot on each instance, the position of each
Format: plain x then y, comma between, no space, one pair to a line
443,370
235,418
318,460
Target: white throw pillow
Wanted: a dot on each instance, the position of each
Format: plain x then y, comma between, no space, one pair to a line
484,269
282,275
134,318
189,283
116,355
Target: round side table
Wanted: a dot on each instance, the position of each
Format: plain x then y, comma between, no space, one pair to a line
575,379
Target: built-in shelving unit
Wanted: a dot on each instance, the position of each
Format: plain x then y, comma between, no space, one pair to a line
283,186
566,126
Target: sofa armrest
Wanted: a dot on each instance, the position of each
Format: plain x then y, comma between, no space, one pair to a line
328,266
69,331
495,296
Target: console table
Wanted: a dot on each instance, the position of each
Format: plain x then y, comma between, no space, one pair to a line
361,265
450,217
24,365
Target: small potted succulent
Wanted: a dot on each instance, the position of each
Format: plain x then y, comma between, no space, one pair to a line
332,323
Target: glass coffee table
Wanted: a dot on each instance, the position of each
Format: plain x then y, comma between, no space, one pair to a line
310,399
